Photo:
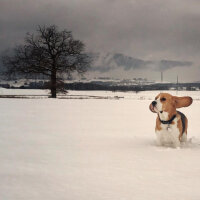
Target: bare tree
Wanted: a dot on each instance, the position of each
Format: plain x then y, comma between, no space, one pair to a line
50,52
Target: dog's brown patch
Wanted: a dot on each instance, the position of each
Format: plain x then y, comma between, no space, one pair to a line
168,105
158,124
186,125
180,127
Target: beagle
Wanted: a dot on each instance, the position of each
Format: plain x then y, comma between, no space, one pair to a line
171,125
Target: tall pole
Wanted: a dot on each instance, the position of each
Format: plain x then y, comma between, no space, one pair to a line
161,77
177,84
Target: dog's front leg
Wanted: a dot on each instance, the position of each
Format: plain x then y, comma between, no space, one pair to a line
159,139
175,140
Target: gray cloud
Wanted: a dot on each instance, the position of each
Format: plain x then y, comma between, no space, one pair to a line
146,29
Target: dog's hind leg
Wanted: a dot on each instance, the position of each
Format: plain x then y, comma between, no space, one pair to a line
184,135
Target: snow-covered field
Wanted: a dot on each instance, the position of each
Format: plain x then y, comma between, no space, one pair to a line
93,149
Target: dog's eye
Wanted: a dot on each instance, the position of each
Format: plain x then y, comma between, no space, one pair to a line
163,99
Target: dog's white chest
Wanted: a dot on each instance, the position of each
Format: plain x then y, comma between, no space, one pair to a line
169,134
169,129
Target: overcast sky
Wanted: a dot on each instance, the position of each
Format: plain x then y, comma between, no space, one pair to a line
144,29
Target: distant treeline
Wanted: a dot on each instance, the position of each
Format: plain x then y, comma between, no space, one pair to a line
158,86
110,87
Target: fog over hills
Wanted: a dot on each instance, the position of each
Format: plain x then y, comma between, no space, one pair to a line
119,65
105,62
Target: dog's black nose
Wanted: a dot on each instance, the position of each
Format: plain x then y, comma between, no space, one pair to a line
154,103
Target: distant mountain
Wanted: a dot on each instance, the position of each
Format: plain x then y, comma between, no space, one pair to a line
104,62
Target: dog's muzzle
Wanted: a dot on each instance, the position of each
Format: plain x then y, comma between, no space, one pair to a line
152,106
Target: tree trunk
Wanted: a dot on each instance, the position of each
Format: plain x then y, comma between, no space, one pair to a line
53,84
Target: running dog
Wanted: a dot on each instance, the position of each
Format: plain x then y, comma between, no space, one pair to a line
171,125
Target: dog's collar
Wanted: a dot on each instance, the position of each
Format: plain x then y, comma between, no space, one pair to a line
169,121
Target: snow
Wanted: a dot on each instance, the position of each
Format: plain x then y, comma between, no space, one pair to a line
93,149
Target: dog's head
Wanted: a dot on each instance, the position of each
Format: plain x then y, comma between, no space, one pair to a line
165,104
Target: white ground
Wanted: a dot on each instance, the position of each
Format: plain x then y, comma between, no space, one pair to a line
93,149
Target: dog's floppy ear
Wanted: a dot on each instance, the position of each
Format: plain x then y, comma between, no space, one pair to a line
182,101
